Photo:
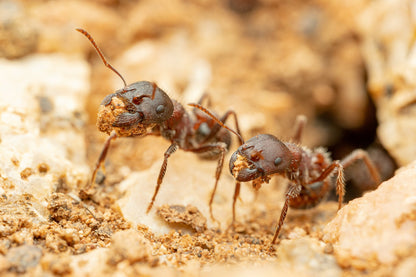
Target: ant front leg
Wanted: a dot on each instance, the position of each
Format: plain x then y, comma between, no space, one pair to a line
293,191
219,146
101,159
172,148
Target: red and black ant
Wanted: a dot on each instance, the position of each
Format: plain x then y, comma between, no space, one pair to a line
143,109
308,170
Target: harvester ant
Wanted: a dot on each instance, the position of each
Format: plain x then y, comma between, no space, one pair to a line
308,170
142,109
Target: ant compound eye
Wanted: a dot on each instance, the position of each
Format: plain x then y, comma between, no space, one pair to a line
160,109
277,161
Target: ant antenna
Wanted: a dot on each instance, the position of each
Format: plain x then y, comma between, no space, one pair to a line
89,37
217,120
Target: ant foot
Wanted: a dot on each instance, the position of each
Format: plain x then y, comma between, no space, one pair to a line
149,207
231,227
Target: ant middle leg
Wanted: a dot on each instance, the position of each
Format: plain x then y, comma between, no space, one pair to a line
299,127
224,118
220,121
222,148
205,97
172,148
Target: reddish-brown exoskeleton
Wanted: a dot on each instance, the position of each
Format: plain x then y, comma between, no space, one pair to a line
307,169
142,109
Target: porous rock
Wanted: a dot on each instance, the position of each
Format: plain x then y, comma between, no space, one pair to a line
131,246
389,51
379,227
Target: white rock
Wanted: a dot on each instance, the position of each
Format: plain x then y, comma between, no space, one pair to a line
188,180
42,100
390,54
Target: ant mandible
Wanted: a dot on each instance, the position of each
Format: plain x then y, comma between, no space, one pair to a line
143,109
308,170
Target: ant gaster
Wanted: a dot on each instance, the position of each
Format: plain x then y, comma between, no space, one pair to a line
142,109
308,170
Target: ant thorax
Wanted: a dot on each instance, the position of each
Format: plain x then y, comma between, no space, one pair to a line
177,127
310,163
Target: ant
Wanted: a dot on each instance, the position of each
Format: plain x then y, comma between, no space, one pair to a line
142,109
308,170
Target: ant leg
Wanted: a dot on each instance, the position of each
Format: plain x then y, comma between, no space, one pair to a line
226,115
101,158
292,192
340,179
235,197
360,154
218,121
224,118
220,146
172,148
203,97
299,126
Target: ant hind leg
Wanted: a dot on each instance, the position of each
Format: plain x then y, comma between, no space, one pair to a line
360,154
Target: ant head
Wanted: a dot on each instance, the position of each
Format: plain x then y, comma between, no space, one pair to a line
131,110
260,156
147,100
135,108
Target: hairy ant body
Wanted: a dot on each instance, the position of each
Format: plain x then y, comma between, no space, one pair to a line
142,109
307,170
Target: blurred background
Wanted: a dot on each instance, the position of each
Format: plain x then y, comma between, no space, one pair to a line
347,66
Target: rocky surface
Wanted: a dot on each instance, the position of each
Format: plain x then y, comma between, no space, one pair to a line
390,53
41,109
378,228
